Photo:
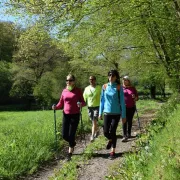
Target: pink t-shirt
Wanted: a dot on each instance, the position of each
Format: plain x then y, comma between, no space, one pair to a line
69,99
128,96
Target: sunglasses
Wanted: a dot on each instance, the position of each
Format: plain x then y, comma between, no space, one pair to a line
111,75
69,80
91,79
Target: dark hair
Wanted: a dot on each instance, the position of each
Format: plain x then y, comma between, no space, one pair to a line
93,77
116,73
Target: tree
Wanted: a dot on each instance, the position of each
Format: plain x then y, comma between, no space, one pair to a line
7,46
7,41
36,59
107,32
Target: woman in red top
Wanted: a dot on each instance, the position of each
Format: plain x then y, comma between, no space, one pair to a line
130,96
71,102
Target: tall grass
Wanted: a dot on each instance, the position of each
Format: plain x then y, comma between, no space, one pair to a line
27,139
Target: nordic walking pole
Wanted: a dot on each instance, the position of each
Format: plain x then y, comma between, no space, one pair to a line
82,127
139,125
55,129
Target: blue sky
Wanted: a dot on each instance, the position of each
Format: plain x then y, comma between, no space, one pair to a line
6,17
3,15
23,20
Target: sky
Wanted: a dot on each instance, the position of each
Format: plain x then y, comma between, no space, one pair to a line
6,17
3,15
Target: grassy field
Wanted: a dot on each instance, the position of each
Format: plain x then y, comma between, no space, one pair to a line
27,139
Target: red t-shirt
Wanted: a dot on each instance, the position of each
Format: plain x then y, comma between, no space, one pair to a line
128,92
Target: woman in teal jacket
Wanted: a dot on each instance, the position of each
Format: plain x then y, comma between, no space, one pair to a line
112,105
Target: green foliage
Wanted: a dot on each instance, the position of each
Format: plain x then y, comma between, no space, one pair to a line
135,37
7,41
5,80
43,90
34,66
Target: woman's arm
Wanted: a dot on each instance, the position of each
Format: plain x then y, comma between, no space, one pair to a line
81,99
122,103
60,104
101,107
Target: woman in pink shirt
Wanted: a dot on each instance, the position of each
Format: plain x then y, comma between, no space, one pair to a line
71,102
130,96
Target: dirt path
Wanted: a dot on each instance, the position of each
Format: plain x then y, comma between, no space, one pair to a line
98,167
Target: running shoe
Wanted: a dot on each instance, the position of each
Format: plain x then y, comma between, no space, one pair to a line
112,155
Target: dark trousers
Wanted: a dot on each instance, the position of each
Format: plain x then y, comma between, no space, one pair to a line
128,125
110,126
69,127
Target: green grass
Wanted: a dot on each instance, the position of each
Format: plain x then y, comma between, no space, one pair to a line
164,162
27,140
147,105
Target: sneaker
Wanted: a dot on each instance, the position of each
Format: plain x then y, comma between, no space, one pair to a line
109,144
69,156
124,139
71,150
92,138
96,134
112,155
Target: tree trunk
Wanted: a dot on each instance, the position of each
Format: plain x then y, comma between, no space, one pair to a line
153,91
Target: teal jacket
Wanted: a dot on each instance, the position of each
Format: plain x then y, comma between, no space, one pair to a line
111,102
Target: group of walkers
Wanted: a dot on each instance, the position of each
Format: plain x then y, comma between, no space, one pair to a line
110,102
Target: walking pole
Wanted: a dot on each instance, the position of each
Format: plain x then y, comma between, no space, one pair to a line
139,125
55,129
82,127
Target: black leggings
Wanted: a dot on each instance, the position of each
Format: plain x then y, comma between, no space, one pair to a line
128,125
69,127
110,126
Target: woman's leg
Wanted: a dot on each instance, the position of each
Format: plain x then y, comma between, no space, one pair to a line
72,130
124,125
65,127
107,125
131,112
114,124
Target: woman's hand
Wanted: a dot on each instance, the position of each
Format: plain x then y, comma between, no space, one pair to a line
79,104
100,117
123,120
54,107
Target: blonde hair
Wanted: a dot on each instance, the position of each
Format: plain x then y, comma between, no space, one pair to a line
128,81
71,76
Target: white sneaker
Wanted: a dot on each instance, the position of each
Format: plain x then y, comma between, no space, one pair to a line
124,139
96,134
92,138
